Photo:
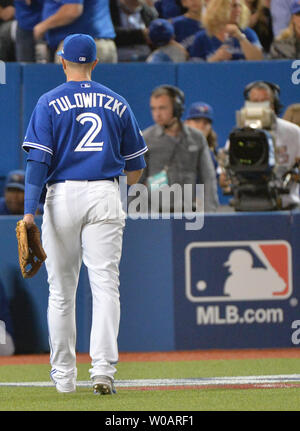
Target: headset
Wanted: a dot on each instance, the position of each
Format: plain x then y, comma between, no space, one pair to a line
273,87
177,97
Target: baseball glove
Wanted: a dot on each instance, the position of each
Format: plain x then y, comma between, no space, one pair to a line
31,252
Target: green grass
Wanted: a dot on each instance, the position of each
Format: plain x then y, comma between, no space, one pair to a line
215,399
46,399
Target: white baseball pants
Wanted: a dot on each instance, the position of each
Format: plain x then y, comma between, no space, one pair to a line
83,221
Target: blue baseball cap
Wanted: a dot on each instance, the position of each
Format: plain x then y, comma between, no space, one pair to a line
295,8
200,110
15,180
79,48
161,31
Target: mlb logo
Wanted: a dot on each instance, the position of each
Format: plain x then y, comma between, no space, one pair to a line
238,271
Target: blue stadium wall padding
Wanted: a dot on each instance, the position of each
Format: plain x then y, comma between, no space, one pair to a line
10,119
170,301
219,84
222,86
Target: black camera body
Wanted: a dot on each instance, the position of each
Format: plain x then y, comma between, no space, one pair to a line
251,151
251,164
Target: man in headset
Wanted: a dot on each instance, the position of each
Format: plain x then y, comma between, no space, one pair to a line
178,154
287,139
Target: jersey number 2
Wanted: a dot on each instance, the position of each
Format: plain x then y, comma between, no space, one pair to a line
86,143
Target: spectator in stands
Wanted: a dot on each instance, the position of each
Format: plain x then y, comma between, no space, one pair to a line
61,18
28,14
169,8
131,20
7,344
201,115
188,24
287,44
7,30
261,21
292,113
226,35
166,49
12,203
178,153
281,15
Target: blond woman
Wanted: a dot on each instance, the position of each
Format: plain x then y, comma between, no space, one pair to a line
226,35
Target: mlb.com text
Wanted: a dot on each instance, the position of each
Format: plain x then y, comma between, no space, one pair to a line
230,315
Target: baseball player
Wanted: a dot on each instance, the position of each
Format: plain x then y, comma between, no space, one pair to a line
81,137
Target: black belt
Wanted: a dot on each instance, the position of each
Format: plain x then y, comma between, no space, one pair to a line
63,181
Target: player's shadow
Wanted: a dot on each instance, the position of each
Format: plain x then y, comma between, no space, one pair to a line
24,321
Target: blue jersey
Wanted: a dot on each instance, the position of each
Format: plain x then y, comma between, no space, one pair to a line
28,15
204,46
84,131
95,20
185,30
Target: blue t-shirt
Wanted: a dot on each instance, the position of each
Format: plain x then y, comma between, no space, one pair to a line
95,20
185,30
204,46
28,15
84,131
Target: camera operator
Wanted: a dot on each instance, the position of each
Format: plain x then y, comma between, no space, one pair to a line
287,144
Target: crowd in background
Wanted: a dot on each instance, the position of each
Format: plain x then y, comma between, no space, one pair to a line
153,30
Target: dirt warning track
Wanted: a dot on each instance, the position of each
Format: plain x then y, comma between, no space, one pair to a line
193,355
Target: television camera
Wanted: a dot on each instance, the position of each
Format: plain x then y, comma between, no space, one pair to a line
249,160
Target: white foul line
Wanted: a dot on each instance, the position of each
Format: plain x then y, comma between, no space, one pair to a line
215,381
